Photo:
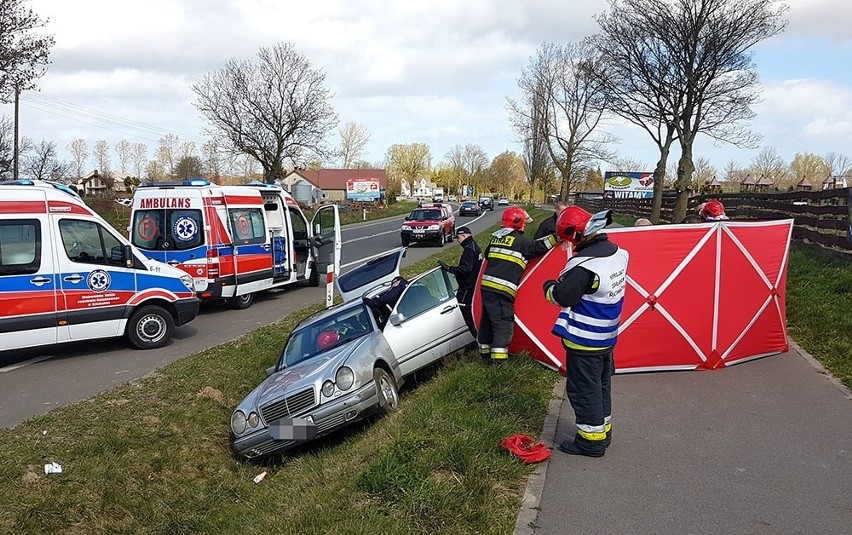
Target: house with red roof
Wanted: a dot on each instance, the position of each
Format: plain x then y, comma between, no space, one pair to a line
335,185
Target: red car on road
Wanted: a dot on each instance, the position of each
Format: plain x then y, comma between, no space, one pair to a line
431,223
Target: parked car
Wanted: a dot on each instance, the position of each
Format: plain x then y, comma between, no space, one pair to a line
433,223
347,362
469,208
486,203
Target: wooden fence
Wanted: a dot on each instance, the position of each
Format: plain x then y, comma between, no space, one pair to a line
820,217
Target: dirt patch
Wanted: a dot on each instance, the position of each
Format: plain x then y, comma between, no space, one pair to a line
211,393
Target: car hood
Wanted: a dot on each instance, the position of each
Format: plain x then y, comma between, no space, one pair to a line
310,372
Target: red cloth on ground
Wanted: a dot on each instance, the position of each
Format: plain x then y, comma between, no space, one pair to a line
526,448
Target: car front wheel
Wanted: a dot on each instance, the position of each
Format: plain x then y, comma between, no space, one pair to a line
386,390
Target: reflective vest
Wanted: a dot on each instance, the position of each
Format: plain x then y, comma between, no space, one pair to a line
592,324
507,256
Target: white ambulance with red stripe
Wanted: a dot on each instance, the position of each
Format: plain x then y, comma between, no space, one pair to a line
234,241
66,275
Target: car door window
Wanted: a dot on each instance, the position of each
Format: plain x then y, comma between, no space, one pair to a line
425,293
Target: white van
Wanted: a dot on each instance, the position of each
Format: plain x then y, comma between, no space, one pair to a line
234,241
66,275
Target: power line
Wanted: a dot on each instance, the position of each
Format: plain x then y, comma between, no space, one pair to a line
102,120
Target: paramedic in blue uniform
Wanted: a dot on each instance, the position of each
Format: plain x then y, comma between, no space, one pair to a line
590,291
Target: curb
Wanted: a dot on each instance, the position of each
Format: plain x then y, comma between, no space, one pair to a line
528,513
817,365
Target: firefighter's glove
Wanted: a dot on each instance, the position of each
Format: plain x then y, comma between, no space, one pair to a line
548,290
443,265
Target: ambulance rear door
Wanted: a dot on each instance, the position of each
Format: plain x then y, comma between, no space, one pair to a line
168,225
274,208
327,242
252,254
28,300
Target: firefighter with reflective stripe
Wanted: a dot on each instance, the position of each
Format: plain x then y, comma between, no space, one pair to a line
507,257
590,291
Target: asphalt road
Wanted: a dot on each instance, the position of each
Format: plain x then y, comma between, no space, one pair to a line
33,382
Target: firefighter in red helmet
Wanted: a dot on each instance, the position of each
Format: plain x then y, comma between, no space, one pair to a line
590,291
712,210
507,255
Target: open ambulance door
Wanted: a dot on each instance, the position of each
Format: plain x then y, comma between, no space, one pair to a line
326,243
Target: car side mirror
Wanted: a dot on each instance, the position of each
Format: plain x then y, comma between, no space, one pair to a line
396,318
127,254
407,218
270,370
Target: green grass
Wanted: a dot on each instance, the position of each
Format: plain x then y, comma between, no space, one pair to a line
819,307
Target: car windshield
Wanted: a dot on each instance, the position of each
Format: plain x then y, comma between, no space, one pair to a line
469,204
425,215
318,336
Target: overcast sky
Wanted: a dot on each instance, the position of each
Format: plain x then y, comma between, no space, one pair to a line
437,72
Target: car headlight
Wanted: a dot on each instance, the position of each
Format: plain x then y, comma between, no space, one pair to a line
238,422
327,389
434,227
188,282
404,228
253,420
345,378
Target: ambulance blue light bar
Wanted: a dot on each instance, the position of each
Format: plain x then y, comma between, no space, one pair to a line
56,185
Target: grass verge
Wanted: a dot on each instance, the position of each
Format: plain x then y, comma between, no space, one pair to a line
153,456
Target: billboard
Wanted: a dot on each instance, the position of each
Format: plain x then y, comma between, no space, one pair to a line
363,189
628,185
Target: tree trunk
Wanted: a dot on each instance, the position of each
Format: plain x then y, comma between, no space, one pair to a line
685,168
659,180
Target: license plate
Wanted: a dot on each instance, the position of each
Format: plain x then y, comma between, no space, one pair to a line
420,231
293,429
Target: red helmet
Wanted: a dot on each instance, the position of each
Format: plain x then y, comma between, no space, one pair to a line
712,211
327,339
515,217
571,224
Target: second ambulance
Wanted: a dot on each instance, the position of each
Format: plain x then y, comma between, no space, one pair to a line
234,241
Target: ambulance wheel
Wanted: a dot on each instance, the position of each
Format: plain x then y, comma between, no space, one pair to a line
241,302
150,327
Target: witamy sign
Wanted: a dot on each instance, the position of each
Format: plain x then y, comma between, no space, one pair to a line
628,185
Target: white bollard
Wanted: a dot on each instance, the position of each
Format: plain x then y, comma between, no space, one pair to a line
364,214
329,285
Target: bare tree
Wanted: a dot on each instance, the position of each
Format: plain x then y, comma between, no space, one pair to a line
768,164
704,173
838,164
79,150
167,154
7,147
563,79
703,47
154,170
41,163
215,161
188,167
139,157
187,149
734,174
273,110
353,138
24,54
102,160
406,162
124,151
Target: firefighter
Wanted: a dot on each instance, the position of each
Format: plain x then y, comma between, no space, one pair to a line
507,255
712,211
466,274
590,291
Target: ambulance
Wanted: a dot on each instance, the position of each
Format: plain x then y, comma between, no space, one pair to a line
234,241
66,275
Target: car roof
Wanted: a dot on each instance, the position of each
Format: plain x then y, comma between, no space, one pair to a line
355,283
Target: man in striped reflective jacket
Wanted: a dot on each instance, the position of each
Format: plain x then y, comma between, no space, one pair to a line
506,257
590,291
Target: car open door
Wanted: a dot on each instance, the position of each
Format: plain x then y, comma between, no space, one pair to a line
380,270
325,238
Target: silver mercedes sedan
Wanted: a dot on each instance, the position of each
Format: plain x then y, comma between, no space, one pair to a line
348,361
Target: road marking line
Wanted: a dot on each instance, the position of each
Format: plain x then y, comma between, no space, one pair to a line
14,367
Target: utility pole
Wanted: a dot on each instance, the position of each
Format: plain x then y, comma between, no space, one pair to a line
15,150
